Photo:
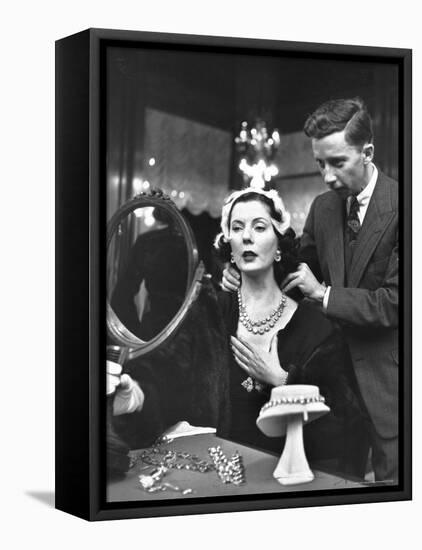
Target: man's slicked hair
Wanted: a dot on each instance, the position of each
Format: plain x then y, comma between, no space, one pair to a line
337,115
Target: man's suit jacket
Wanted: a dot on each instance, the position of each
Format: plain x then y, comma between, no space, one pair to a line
367,308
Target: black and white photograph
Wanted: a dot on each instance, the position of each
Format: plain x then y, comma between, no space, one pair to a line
253,283
210,252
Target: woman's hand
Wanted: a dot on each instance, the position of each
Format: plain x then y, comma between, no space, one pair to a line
231,279
262,366
128,396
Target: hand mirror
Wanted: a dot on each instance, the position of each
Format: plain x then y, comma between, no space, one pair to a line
153,273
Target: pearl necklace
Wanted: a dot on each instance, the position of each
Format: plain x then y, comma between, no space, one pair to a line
264,325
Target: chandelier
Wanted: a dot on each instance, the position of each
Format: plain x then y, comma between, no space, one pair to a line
256,150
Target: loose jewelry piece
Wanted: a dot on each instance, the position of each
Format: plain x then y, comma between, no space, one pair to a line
159,456
166,460
229,471
151,483
264,325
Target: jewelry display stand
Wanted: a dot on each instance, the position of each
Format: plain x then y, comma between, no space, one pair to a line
293,465
289,408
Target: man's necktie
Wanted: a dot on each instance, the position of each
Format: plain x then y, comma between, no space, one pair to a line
353,223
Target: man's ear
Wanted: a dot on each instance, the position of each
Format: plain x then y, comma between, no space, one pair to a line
368,152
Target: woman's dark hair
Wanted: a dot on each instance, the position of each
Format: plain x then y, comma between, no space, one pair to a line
287,243
337,115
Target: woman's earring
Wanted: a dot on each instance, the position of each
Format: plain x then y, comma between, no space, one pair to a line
231,258
277,256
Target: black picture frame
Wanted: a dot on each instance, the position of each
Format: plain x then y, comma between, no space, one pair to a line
80,261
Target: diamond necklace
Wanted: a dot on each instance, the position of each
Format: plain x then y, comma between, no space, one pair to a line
264,325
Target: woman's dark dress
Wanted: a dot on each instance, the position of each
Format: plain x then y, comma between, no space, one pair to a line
311,350
197,379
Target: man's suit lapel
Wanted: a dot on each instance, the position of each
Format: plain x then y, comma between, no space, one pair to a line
378,216
333,224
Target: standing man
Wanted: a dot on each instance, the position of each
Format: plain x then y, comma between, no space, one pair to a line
349,251
350,241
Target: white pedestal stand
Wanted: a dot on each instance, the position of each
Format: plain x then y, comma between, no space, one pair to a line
293,466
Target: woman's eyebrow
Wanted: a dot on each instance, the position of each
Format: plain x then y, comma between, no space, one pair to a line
260,219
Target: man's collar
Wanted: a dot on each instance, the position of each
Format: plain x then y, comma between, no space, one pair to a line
365,195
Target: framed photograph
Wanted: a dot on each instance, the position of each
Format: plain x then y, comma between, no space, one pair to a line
233,277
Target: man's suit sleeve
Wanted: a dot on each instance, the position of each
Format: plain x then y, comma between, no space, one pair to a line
355,306
369,308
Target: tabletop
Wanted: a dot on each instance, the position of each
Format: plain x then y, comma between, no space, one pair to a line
258,468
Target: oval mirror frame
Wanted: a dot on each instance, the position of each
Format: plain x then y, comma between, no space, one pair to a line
117,331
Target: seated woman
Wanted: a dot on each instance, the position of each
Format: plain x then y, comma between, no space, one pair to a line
274,340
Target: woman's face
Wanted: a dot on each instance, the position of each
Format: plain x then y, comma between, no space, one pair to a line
252,237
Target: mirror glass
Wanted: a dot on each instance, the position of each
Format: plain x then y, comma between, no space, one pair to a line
147,270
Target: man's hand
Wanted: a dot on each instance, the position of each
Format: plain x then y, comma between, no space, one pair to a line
262,366
305,280
231,279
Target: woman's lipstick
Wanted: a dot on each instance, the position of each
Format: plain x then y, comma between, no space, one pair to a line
249,255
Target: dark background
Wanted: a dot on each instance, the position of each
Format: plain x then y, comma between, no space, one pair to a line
221,90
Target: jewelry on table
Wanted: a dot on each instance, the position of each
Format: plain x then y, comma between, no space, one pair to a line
152,483
163,459
229,471
264,325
